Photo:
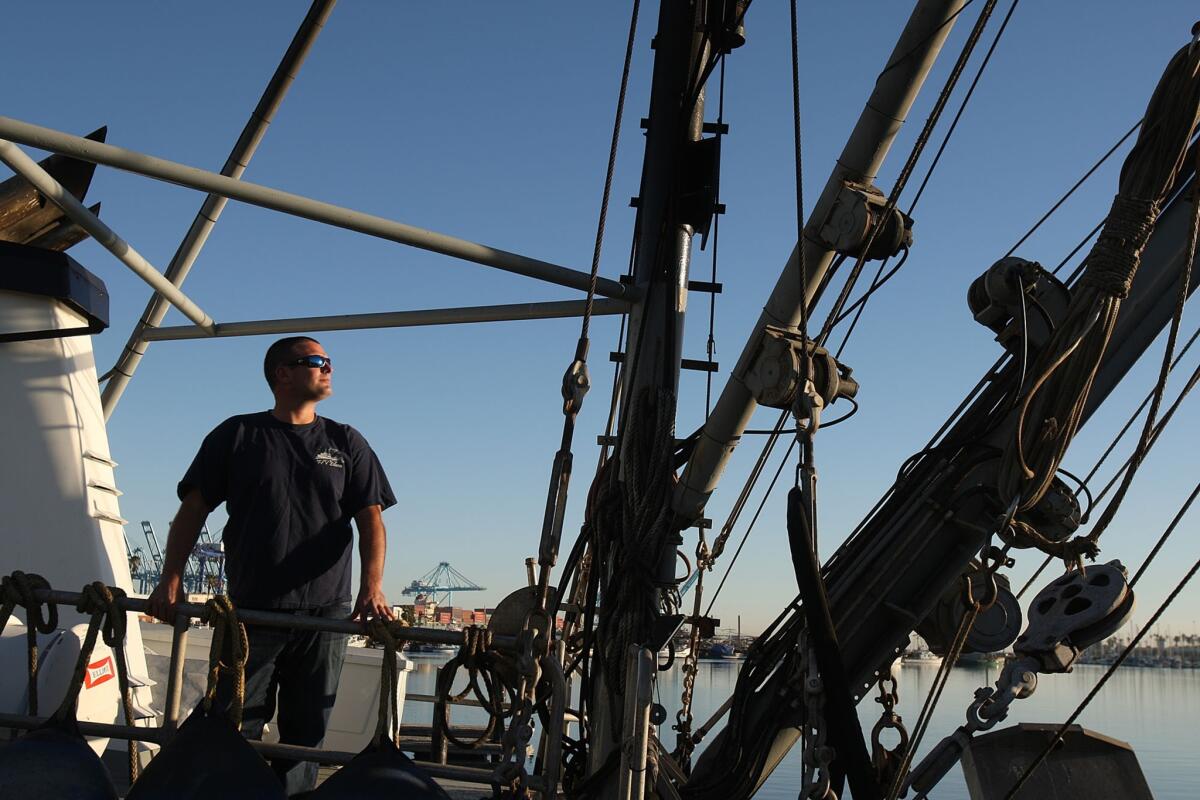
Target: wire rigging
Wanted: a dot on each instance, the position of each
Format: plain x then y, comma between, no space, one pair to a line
909,165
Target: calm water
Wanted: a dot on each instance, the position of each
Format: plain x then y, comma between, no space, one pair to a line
1154,710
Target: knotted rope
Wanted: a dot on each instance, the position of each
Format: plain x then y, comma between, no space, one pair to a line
109,622
18,590
222,616
388,725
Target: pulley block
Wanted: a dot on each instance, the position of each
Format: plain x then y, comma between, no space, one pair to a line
1074,612
1055,517
996,627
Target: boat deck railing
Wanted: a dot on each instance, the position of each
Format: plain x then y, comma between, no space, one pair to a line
186,612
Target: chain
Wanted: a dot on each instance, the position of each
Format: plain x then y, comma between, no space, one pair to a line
817,754
510,771
887,760
684,743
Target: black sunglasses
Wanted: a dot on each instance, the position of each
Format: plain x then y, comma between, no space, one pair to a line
313,362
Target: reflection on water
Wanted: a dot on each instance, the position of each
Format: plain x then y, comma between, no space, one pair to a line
1154,710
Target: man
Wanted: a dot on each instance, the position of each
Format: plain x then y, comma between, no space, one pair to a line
291,482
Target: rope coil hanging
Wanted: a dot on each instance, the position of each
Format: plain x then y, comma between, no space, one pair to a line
18,590
476,656
229,636
388,725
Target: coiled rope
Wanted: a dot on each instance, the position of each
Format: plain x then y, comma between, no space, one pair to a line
481,663
229,637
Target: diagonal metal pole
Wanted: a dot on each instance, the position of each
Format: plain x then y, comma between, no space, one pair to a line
56,193
210,211
555,309
307,208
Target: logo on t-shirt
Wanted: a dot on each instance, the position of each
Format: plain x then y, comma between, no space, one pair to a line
329,457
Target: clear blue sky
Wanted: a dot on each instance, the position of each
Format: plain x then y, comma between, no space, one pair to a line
491,122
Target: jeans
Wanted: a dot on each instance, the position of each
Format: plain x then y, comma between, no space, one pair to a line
301,669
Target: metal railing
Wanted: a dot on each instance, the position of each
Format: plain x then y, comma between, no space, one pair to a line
546,781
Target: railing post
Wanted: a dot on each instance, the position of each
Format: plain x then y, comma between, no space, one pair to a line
438,743
635,733
179,639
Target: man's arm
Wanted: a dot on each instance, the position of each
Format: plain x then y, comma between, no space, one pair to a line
185,530
372,545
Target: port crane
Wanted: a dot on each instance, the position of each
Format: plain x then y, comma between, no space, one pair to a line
441,582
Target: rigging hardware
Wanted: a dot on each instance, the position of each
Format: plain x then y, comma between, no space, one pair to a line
777,375
861,224
998,299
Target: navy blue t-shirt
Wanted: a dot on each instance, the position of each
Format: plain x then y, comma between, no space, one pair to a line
291,492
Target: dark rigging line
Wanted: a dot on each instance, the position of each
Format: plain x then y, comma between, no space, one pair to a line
1071,191
878,280
799,163
1159,428
782,463
1165,535
909,165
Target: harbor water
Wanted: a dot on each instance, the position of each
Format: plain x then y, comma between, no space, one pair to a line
1154,710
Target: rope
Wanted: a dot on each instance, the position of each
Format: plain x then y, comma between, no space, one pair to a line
99,599
230,635
18,590
1146,441
608,177
631,520
1053,408
749,528
474,654
93,601
1103,680
388,725
935,691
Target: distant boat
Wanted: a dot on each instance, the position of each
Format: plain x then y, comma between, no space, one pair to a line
993,660
721,650
680,649
921,658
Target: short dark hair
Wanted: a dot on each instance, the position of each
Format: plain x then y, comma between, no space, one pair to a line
278,353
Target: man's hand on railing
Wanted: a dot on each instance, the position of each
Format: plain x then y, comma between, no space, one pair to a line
168,594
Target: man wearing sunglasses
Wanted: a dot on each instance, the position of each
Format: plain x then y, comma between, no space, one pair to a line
292,481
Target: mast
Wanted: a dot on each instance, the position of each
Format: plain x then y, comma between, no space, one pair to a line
672,207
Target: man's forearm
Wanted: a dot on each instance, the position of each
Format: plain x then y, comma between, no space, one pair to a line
182,538
372,545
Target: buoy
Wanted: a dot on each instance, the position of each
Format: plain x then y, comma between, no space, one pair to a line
53,762
208,758
380,770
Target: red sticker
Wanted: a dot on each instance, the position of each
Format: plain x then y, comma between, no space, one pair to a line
98,672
